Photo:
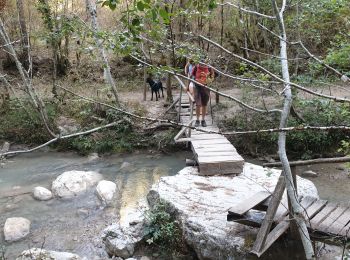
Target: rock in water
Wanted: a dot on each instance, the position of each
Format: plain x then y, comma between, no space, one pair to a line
106,191
309,174
41,193
121,238
201,204
93,157
42,254
71,183
16,229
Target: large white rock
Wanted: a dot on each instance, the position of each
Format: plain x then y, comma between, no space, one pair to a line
105,191
121,238
71,183
42,254
41,193
16,228
202,203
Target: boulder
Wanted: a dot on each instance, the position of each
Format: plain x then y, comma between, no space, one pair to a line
93,157
41,193
67,125
201,204
118,241
16,228
121,238
71,183
105,191
309,173
42,254
125,165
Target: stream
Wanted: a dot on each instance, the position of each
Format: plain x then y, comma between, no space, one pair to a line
75,225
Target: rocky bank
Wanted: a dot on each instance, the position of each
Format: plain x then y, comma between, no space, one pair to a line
202,202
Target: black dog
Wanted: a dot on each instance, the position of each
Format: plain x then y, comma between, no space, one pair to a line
155,87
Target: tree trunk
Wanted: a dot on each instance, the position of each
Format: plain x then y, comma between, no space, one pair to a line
296,207
36,100
24,56
91,7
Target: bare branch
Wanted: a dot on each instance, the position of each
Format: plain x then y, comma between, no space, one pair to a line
60,138
247,10
213,90
290,129
337,99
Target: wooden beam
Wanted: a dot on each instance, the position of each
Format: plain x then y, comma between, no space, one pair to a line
244,206
308,162
270,214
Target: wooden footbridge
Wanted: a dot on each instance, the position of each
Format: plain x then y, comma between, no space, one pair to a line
214,154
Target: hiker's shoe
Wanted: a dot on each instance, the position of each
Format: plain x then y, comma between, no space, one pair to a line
197,123
204,124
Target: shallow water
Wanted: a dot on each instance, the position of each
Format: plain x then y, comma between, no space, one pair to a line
75,225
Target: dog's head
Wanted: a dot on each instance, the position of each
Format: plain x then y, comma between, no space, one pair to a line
149,80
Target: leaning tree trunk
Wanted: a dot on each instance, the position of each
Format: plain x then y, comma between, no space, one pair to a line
296,207
36,100
24,57
91,7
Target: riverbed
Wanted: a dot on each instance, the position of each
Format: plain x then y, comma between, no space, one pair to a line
75,225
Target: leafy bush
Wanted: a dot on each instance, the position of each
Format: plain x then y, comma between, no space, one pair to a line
300,144
340,58
21,125
162,228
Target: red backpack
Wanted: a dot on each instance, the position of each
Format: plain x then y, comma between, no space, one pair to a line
201,74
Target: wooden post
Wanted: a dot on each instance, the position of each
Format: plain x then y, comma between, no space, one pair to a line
180,103
264,230
191,117
217,97
144,83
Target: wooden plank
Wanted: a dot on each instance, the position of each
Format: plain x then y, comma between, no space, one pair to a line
345,231
317,220
333,216
338,226
202,143
247,204
221,168
223,158
216,148
271,211
207,137
314,209
274,235
215,154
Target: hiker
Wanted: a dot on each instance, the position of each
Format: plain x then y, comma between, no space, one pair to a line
202,74
188,72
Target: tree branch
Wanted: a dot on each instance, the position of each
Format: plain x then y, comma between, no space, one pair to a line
247,10
337,99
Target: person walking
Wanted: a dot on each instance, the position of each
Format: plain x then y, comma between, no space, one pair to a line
188,72
202,74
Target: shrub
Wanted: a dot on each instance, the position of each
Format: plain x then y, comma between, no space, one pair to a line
162,228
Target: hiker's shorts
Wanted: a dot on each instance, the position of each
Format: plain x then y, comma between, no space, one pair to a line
201,95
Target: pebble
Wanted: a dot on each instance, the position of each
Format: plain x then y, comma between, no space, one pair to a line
309,174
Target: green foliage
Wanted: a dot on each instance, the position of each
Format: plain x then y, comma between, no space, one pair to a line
340,58
299,144
162,228
24,125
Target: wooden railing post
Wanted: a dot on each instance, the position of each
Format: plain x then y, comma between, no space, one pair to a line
180,103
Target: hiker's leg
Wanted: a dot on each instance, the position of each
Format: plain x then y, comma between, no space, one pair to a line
204,111
198,111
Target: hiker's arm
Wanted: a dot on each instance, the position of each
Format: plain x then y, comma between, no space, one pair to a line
186,68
